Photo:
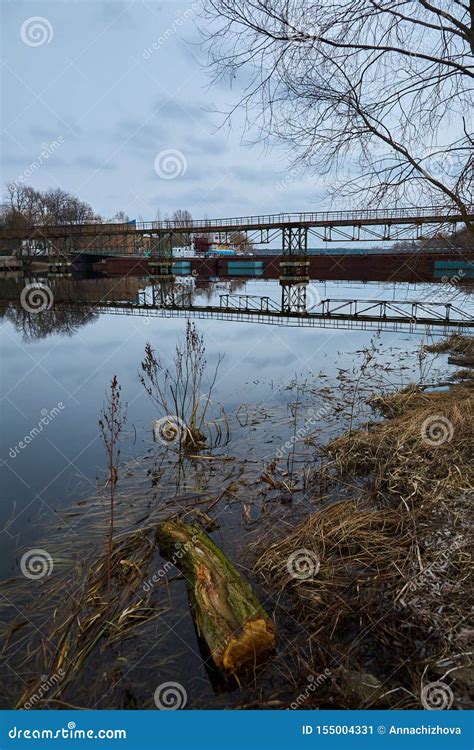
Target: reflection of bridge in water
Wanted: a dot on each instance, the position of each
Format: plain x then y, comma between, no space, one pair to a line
165,300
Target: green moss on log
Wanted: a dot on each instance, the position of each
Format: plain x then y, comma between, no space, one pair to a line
229,617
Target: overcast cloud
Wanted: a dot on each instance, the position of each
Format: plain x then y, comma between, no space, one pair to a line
114,84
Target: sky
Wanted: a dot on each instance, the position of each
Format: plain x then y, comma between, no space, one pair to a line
111,100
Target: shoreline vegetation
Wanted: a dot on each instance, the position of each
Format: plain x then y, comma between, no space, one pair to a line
364,570
394,561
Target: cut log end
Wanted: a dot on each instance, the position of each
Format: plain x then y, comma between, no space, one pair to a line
247,649
227,615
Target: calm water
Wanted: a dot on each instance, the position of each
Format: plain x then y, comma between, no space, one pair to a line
62,367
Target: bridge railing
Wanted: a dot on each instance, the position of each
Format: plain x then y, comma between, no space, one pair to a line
243,302
303,218
442,311
436,214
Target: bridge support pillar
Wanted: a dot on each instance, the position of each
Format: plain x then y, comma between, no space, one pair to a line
161,260
293,297
166,295
161,245
294,280
295,240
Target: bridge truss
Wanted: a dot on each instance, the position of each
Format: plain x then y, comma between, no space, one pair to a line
394,315
159,237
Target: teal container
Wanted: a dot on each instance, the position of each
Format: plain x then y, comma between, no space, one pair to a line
182,267
245,267
459,269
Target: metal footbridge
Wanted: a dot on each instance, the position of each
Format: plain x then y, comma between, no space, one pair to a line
159,237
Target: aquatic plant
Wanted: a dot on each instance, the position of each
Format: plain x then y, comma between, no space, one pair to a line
111,422
179,392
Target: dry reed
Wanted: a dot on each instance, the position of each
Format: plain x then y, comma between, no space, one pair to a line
385,610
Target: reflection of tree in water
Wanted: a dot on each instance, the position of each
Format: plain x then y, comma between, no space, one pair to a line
63,319
207,290
74,303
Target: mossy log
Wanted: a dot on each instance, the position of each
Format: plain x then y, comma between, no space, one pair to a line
236,628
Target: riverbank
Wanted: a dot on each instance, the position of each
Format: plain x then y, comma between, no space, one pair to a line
378,582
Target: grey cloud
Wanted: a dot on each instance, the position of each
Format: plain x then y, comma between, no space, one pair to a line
210,144
115,13
179,111
127,121
91,162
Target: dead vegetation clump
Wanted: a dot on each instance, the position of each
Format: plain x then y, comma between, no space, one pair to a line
420,452
457,343
463,375
386,600
96,612
180,394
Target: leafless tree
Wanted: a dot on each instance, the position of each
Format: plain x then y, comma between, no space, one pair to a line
60,207
20,205
120,217
240,241
375,93
24,206
182,218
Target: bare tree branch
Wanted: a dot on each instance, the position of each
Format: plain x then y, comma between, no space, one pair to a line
381,91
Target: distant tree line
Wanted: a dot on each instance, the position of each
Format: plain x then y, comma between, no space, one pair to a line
459,241
24,206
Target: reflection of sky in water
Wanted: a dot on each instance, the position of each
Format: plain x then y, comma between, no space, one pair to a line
204,293
63,461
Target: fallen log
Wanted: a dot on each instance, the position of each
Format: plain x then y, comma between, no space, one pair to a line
227,615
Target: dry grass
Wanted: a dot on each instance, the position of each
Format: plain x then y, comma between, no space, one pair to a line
422,451
387,606
454,344
95,616
463,375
